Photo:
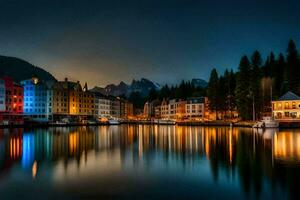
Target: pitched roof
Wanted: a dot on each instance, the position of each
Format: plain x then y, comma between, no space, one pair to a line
289,96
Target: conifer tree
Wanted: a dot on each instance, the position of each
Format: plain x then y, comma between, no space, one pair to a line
212,91
242,89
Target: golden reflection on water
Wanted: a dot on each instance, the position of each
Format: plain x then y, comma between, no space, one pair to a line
208,142
287,146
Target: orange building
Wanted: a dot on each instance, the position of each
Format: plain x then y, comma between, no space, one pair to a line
81,101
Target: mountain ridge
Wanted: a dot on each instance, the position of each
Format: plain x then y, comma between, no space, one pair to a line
20,69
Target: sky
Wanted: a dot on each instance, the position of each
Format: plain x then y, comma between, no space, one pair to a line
102,42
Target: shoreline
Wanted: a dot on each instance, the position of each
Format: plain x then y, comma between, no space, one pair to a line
292,125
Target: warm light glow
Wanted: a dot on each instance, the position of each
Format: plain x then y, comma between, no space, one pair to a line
34,169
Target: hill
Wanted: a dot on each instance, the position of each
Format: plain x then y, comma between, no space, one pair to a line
19,69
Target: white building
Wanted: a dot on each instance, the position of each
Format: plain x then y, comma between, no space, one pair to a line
195,108
164,109
102,105
2,95
176,109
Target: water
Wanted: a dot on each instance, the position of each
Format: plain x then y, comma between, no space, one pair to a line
149,162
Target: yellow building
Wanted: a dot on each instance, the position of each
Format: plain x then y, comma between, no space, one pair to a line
81,101
287,107
60,98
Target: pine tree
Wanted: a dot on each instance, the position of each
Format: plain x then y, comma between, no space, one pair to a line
291,71
279,77
242,89
255,82
212,91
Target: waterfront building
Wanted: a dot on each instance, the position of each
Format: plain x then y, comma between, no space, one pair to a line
157,112
128,109
164,109
36,99
149,108
60,98
2,95
195,108
115,107
12,101
81,101
287,107
176,109
13,96
102,105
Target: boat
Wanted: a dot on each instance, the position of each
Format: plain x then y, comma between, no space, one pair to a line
165,122
114,121
266,122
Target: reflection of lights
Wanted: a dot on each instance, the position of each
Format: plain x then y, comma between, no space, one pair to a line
15,147
73,141
230,145
28,150
34,169
286,146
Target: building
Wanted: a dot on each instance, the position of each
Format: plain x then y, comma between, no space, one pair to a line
102,105
2,95
287,107
128,109
195,108
149,108
13,102
36,100
81,101
115,106
164,109
60,98
13,96
176,109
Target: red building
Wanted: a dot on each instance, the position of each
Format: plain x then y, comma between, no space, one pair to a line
13,102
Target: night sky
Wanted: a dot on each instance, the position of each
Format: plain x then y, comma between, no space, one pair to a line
105,42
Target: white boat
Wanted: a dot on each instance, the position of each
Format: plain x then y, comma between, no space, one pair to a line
114,121
165,122
266,122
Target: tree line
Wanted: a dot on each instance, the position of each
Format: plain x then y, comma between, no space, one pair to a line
251,88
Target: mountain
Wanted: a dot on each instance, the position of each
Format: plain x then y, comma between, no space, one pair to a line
143,86
199,82
117,90
20,70
98,90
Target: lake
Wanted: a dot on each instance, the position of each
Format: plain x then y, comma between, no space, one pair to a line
149,162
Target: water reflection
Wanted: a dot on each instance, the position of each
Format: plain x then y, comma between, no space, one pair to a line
244,162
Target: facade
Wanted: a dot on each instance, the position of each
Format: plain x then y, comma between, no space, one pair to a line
164,109
13,97
128,110
11,101
2,95
195,108
81,101
102,105
287,107
115,108
36,100
176,109
60,98
149,109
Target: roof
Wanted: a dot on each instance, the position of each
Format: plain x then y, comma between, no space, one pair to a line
289,96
